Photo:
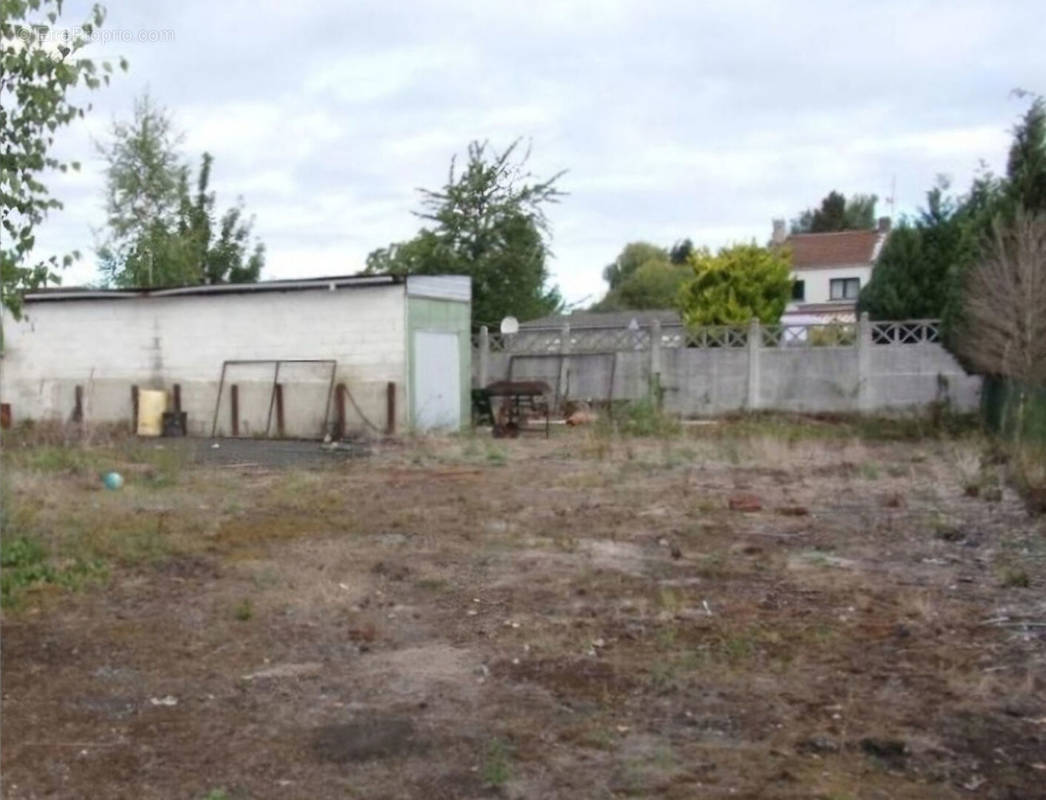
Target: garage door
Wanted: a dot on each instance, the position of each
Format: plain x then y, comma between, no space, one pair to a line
437,380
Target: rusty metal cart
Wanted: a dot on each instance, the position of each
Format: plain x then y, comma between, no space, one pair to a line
519,400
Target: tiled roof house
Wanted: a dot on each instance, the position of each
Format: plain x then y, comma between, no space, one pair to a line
829,270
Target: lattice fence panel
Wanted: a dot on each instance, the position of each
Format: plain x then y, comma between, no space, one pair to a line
605,340
918,331
718,336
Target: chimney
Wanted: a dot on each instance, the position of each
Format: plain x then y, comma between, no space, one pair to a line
884,224
779,234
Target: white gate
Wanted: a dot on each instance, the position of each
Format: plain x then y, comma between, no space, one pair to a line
437,380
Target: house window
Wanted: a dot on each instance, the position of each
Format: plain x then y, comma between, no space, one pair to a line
844,288
798,290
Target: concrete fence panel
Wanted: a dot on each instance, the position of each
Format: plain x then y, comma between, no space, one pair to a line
857,367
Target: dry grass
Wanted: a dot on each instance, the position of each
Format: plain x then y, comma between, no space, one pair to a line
579,617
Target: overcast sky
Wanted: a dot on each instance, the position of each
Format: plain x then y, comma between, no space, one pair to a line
672,119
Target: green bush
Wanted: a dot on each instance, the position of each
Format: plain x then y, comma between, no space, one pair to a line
834,334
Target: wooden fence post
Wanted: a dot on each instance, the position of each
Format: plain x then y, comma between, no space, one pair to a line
339,411
278,389
78,405
234,407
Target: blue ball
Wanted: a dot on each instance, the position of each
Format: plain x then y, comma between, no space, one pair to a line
112,480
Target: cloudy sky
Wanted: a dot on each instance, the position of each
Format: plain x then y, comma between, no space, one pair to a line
672,119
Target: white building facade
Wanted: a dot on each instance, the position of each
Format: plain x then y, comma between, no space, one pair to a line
829,270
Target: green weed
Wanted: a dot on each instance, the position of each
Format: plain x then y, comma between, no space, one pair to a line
496,763
870,471
1015,578
26,564
662,675
669,599
432,584
644,418
53,458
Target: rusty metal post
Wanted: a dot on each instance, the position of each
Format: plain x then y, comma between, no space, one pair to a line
78,404
279,409
134,408
339,411
390,408
234,405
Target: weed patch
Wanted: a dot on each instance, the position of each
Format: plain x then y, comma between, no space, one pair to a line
644,418
496,763
1015,578
26,563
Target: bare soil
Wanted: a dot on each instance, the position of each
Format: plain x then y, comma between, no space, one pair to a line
585,617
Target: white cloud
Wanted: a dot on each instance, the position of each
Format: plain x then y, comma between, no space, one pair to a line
673,120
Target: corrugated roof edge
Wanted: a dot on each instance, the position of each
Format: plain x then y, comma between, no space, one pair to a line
57,293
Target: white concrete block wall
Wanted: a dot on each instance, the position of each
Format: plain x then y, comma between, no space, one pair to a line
109,344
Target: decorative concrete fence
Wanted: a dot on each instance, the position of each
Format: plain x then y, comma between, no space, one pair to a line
833,367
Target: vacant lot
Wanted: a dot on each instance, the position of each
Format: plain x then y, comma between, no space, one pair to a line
785,610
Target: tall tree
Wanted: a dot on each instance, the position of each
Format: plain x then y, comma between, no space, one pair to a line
655,285
146,183
992,200
737,284
643,276
1026,165
231,256
912,277
488,221
836,213
37,78
631,258
681,251
158,232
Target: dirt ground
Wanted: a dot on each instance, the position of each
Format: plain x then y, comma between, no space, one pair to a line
789,614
